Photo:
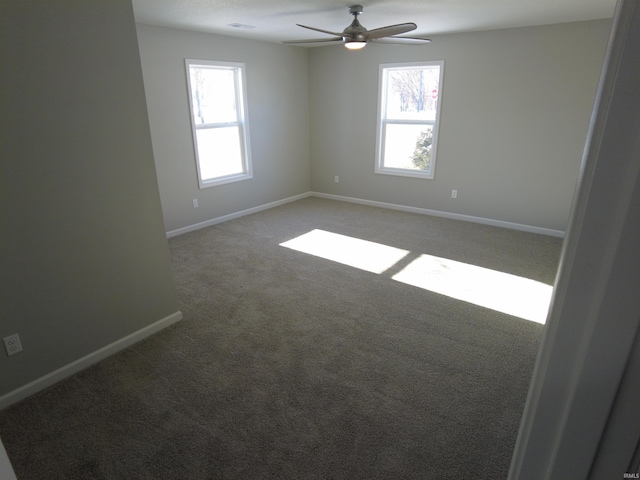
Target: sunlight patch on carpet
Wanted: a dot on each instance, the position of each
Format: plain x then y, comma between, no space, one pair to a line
369,256
504,292
511,294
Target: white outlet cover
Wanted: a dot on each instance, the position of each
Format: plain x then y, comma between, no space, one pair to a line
12,344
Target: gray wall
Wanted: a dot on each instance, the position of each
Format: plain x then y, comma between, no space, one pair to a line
516,106
84,258
278,104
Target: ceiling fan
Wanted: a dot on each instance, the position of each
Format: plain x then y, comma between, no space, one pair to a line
355,36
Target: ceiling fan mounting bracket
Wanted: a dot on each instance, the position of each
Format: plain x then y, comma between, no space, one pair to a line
356,10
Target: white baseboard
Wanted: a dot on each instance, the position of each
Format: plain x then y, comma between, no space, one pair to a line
437,213
231,216
372,203
86,361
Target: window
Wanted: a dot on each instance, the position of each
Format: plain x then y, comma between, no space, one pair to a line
219,121
409,109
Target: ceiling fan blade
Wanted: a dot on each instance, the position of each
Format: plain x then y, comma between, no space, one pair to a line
315,40
390,30
403,40
335,34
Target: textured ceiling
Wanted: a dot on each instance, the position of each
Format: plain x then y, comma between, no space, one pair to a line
275,20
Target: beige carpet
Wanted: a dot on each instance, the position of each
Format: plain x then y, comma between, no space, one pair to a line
290,365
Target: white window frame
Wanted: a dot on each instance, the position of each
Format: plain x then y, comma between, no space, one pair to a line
241,122
383,121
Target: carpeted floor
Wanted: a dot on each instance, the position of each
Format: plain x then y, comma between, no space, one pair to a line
291,366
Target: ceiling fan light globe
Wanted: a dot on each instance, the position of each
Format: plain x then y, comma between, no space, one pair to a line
355,45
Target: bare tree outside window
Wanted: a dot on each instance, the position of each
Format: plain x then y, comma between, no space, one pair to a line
416,88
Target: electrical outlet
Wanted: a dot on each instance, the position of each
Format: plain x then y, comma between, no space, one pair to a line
454,193
336,179
195,203
12,344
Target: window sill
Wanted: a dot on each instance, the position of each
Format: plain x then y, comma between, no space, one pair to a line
227,179
400,172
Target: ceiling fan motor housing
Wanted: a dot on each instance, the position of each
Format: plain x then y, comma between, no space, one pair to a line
355,32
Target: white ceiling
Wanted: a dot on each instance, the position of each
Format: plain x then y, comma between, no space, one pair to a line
275,20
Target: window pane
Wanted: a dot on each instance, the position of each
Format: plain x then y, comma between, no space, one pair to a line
219,152
213,96
408,146
412,93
